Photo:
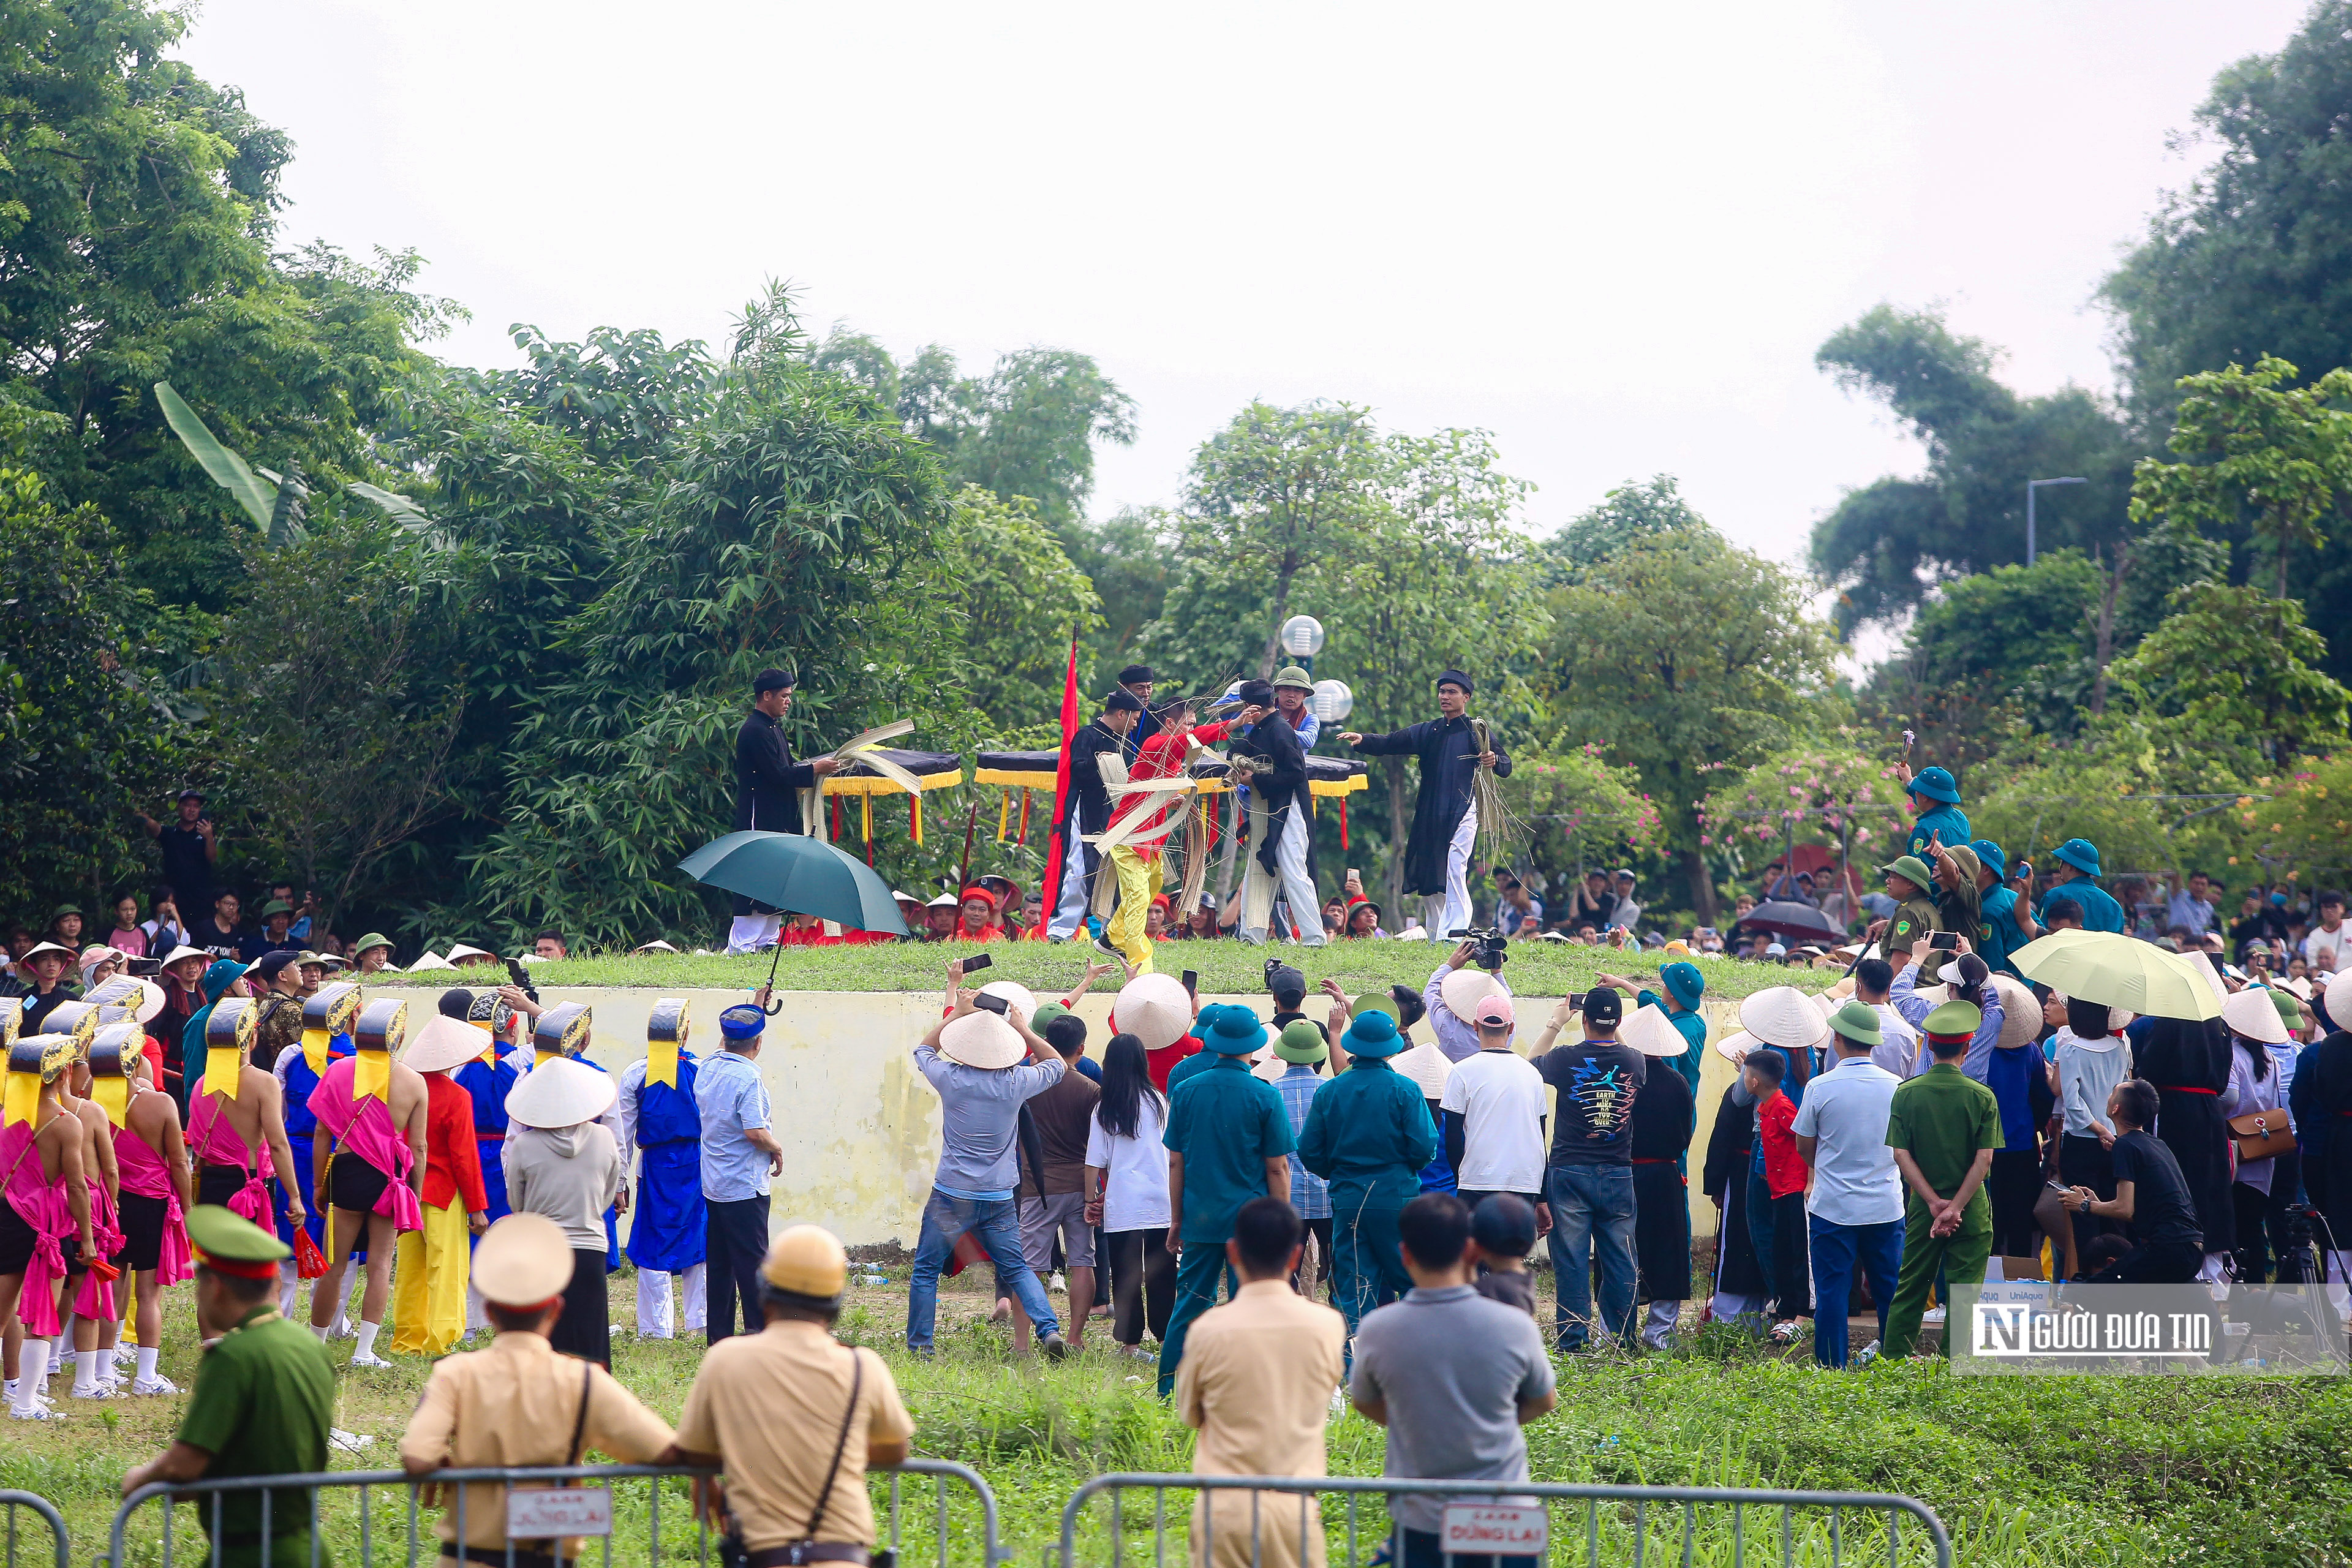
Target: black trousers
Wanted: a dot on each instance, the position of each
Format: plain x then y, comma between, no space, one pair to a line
586,1328
2085,1162
2155,1263
735,1241
2262,1217
2014,1183
1143,1283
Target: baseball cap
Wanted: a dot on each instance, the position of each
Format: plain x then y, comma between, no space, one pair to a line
1495,1010
1603,1005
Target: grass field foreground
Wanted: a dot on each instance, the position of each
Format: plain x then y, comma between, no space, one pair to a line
2024,1472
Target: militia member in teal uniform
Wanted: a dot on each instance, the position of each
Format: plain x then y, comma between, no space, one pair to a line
2100,910
1935,803
2004,924
265,1390
1369,1134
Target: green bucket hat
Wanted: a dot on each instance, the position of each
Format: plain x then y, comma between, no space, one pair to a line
372,939
1295,677
1046,1014
1301,1042
1684,983
1857,1021
1910,868
276,907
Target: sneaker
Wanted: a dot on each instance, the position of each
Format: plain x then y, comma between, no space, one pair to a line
371,1361
1101,944
1784,1332
1338,1403
1866,1354
38,1413
151,1387
1932,1315
1054,1346
92,1391
126,1355
1058,1285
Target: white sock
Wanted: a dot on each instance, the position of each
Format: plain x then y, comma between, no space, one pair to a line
62,1346
367,1341
145,1371
320,1332
85,1369
8,1390
36,1367
286,1294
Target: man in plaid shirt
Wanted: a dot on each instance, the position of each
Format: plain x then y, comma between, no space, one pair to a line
1301,1044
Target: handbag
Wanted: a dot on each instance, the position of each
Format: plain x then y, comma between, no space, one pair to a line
2261,1135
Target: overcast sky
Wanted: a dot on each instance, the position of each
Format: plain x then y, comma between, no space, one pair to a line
1611,235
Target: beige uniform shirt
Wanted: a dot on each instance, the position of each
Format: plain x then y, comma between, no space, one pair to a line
1256,1379
516,1403
770,1406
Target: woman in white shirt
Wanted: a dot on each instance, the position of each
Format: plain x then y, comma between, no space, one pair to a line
2092,1058
1126,1194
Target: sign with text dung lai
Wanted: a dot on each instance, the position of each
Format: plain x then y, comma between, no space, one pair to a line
1486,1528
535,1513
2029,1328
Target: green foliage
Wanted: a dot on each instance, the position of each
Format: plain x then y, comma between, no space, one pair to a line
81,742
1681,652
1577,810
1633,512
1018,599
2306,822
1885,544
1832,790
2016,638
2231,672
2247,261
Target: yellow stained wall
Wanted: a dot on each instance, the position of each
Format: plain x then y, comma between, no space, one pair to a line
861,1128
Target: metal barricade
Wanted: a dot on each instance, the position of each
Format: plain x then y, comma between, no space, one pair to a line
1637,1525
47,1511
387,1521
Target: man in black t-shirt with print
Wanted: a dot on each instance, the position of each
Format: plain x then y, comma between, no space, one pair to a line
2151,1197
1589,1181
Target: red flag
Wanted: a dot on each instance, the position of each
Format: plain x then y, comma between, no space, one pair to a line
1053,888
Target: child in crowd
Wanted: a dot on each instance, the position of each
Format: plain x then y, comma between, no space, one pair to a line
1502,1234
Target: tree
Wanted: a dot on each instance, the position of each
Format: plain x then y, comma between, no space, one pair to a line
1833,787
2247,261
2019,638
1633,512
1886,545
82,745
1577,810
332,746
1681,652
2235,670
1017,599
2261,457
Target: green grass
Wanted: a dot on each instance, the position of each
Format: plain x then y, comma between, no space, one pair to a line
2024,1472
1534,969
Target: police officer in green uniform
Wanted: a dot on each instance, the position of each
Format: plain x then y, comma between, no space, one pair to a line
265,1391
1369,1134
1907,883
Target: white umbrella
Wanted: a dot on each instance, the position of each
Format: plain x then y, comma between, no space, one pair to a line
2122,972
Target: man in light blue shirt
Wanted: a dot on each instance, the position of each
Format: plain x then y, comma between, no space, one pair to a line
1854,1213
2192,906
740,1157
1457,1037
975,1059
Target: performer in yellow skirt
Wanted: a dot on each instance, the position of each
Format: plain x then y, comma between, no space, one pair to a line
428,1301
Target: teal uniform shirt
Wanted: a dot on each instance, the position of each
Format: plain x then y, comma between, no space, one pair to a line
1997,932
1199,1061
1694,1029
2100,910
1369,1134
1947,823
1227,1124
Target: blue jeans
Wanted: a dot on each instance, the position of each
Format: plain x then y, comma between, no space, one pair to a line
1836,1249
1592,1212
996,1225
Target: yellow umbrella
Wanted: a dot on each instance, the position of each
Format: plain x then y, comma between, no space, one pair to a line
2120,971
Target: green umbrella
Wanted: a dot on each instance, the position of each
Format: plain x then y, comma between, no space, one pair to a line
799,875
2121,972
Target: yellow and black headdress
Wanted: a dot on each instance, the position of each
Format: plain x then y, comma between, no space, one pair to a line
78,1021
382,1025
12,1021
229,1043
491,1014
665,1030
563,1030
328,1011
33,1060
114,1055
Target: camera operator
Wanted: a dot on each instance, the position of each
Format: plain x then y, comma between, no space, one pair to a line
1481,953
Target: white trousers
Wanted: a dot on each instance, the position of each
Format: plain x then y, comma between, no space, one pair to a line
749,933
1449,911
655,1318
1297,888
1070,905
1661,1323
1731,1305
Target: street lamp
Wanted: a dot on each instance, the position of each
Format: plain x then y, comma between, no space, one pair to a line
2030,487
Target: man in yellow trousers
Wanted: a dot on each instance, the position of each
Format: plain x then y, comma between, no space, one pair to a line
428,1301
1139,866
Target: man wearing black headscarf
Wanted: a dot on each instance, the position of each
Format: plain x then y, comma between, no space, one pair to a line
767,792
1136,680
1086,811
1282,847
1446,815
2188,1062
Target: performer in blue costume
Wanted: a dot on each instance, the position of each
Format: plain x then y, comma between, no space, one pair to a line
488,1078
666,1229
326,1015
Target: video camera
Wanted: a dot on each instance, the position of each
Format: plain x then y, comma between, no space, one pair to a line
1489,946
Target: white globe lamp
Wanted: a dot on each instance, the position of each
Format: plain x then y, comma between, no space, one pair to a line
1301,636
1331,701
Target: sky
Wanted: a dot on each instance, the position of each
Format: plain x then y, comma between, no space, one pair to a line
1613,236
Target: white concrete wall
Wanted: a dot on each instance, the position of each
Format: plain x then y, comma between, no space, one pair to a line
859,1126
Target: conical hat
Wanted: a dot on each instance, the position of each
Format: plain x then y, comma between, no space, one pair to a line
1647,1030
1734,1047
2021,1012
982,1039
1022,1000
442,1043
1463,989
1426,1065
1155,1009
557,1093
1785,1016
2251,1014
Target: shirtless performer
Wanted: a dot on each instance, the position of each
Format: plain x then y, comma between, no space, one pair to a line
371,1111
158,1190
237,1121
42,1164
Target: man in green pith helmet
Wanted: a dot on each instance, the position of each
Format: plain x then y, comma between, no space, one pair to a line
265,1391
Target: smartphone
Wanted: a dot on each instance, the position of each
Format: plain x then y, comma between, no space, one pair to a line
1193,983
977,961
146,968
1576,1000
1944,941
996,1004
